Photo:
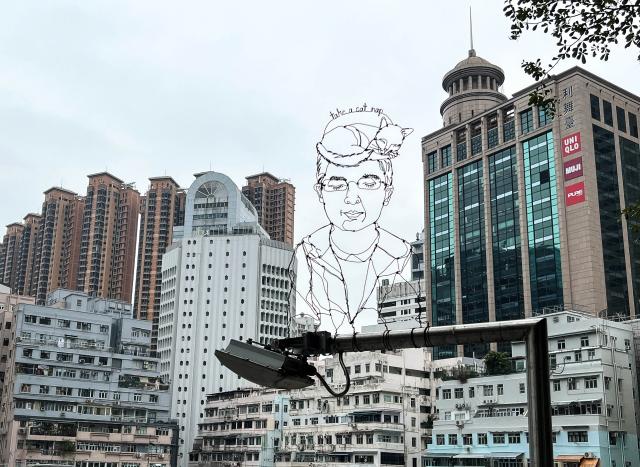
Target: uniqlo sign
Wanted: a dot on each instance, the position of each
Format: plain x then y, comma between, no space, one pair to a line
573,169
571,144
574,194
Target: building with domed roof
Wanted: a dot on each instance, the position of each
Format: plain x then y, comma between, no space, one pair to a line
223,278
522,211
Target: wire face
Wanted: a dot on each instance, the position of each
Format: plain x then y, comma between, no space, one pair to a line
346,260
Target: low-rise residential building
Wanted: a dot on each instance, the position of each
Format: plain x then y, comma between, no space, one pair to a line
483,420
242,427
82,388
8,301
384,419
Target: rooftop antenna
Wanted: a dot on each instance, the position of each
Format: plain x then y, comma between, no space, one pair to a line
472,52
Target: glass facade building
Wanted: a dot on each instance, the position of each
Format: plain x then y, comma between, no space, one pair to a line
528,209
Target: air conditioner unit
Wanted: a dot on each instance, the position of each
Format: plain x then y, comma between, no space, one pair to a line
570,380
138,455
161,456
589,455
22,431
459,423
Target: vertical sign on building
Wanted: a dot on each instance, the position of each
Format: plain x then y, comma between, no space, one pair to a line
574,194
573,168
571,144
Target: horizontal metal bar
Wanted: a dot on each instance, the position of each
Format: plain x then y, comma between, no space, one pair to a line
499,331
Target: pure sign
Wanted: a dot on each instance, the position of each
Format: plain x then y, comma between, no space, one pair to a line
571,144
573,168
574,194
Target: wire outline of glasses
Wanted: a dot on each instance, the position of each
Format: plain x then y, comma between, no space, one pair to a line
361,184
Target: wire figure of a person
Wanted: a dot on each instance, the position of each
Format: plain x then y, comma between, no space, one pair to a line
349,257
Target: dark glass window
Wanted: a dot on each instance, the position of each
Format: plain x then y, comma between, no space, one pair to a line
595,107
441,230
611,228
492,131
508,124
633,125
505,226
461,145
542,222
630,159
445,156
472,244
432,162
543,116
476,138
526,121
608,112
622,120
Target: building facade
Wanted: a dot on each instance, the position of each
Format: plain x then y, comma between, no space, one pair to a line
223,279
8,302
522,209
384,420
274,200
594,402
82,388
161,208
108,239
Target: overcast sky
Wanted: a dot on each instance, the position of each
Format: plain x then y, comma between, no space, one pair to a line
148,88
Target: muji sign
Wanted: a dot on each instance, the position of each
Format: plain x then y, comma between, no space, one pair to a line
573,169
574,194
571,144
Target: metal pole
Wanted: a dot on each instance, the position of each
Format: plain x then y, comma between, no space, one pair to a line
539,396
532,330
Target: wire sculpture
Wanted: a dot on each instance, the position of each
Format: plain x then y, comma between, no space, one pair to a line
348,258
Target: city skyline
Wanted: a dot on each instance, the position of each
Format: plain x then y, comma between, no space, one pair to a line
110,118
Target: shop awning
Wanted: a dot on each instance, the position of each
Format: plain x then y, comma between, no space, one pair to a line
569,458
447,455
506,455
590,463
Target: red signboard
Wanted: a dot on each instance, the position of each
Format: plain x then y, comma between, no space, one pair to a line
571,144
573,168
574,194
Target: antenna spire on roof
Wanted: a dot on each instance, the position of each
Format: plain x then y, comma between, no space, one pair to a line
472,52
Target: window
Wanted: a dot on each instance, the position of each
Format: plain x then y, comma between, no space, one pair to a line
137,397
453,439
595,107
607,382
445,156
633,125
432,162
556,385
446,393
467,439
584,341
622,120
500,389
514,438
459,393
472,392
572,384
357,369
591,382
561,344
498,438
578,436
487,390
440,440
578,355
591,354
608,112
482,438
543,116
523,388
526,121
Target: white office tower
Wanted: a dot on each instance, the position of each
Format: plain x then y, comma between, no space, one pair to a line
223,279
